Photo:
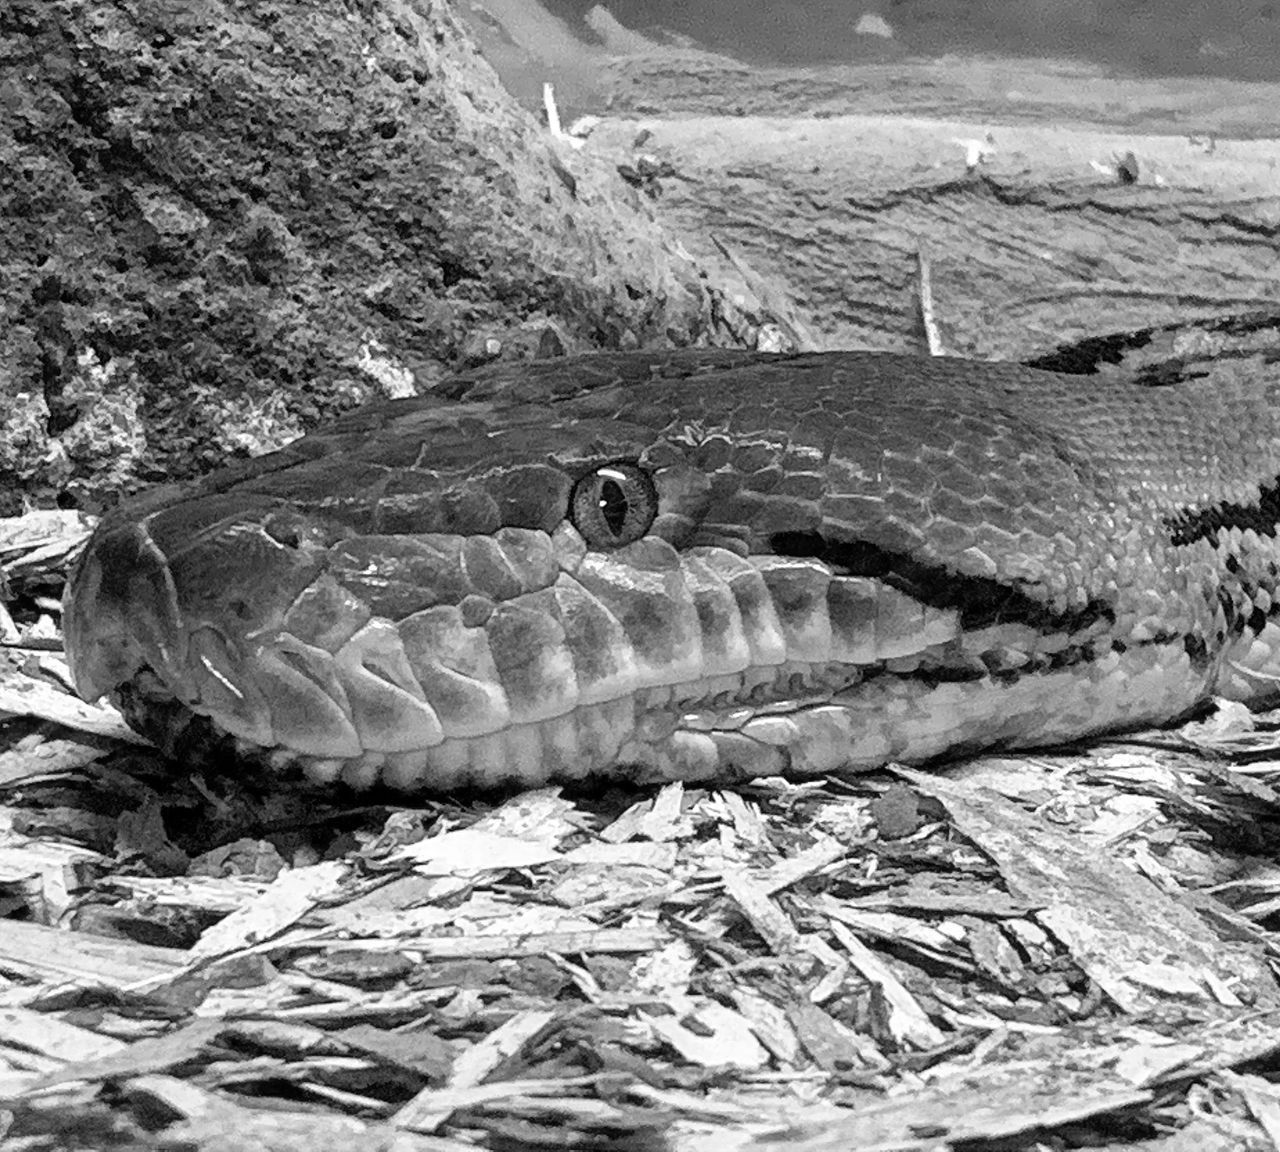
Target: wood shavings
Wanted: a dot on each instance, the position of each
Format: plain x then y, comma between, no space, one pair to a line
706,965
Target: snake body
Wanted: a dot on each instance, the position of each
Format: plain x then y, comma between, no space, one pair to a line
702,565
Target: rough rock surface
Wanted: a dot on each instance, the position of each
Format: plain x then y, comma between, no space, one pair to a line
227,219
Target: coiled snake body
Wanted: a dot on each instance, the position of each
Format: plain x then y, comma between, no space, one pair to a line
702,565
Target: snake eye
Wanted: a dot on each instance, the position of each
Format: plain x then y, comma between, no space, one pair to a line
614,505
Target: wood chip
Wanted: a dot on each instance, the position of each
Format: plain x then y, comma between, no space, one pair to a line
765,916
59,956
1123,931
908,1022
25,696
41,528
468,851
46,1034
711,1035
432,1107
638,853
281,904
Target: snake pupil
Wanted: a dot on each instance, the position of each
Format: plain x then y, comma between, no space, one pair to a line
613,506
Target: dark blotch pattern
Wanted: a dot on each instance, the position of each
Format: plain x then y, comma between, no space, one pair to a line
980,602
1188,526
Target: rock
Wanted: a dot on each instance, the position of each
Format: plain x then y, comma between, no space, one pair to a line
267,213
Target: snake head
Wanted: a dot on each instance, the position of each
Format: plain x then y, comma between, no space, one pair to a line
176,587
382,601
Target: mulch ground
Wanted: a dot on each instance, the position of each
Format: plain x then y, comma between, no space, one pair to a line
1045,951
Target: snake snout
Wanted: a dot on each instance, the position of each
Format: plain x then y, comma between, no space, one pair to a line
160,592
119,584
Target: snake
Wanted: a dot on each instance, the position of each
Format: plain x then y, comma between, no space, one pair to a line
699,565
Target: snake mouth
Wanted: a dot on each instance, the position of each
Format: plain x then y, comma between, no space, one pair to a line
524,657
795,720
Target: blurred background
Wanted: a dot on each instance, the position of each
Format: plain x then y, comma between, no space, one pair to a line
1235,38
1232,39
